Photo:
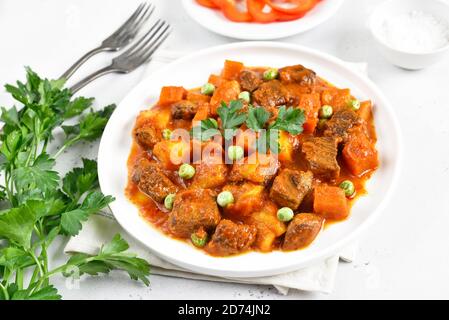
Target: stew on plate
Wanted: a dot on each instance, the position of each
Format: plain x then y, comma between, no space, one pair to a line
257,159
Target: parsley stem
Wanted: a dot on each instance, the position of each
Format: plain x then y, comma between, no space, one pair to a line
67,144
19,278
38,263
33,276
5,292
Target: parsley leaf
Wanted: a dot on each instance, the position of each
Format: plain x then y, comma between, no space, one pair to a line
46,293
257,118
290,120
207,129
16,225
90,126
111,256
37,177
80,180
231,117
94,202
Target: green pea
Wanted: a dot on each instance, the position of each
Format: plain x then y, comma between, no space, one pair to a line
285,214
235,152
354,104
245,96
348,188
208,89
270,74
166,134
168,201
199,240
186,171
225,198
326,112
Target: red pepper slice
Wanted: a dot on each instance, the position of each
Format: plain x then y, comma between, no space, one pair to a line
230,10
208,4
255,9
294,6
289,17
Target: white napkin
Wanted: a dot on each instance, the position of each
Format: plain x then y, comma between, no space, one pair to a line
100,229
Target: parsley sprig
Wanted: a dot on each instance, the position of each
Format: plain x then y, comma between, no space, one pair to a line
257,119
38,204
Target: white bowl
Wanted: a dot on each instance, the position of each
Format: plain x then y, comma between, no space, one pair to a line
391,8
215,21
191,71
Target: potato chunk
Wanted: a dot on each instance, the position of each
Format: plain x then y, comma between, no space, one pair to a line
258,168
268,226
248,198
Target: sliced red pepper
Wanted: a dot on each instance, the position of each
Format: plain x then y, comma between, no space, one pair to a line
255,9
230,10
208,4
289,17
294,6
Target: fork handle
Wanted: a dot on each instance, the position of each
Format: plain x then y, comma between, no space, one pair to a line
79,85
81,61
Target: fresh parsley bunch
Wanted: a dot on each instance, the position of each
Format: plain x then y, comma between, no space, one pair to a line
37,204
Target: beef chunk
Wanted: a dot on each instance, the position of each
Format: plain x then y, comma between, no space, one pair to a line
271,94
183,109
290,187
192,209
231,238
302,230
321,155
147,136
297,74
249,80
340,124
152,181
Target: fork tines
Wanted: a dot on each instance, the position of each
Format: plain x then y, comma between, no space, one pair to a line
131,26
144,48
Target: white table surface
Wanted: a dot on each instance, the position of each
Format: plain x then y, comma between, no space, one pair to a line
405,254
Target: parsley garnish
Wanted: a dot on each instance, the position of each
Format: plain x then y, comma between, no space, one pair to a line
289,119
40,204
206,130
257,118
231,117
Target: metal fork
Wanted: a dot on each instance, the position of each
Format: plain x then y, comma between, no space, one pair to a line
120,38
135,56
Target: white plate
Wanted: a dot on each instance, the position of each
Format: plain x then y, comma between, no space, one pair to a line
216,22
192,71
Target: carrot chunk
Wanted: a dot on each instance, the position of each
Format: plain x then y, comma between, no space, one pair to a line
365,111
215,80
360,154
197,97
171,94
231,69
330,202
311,104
